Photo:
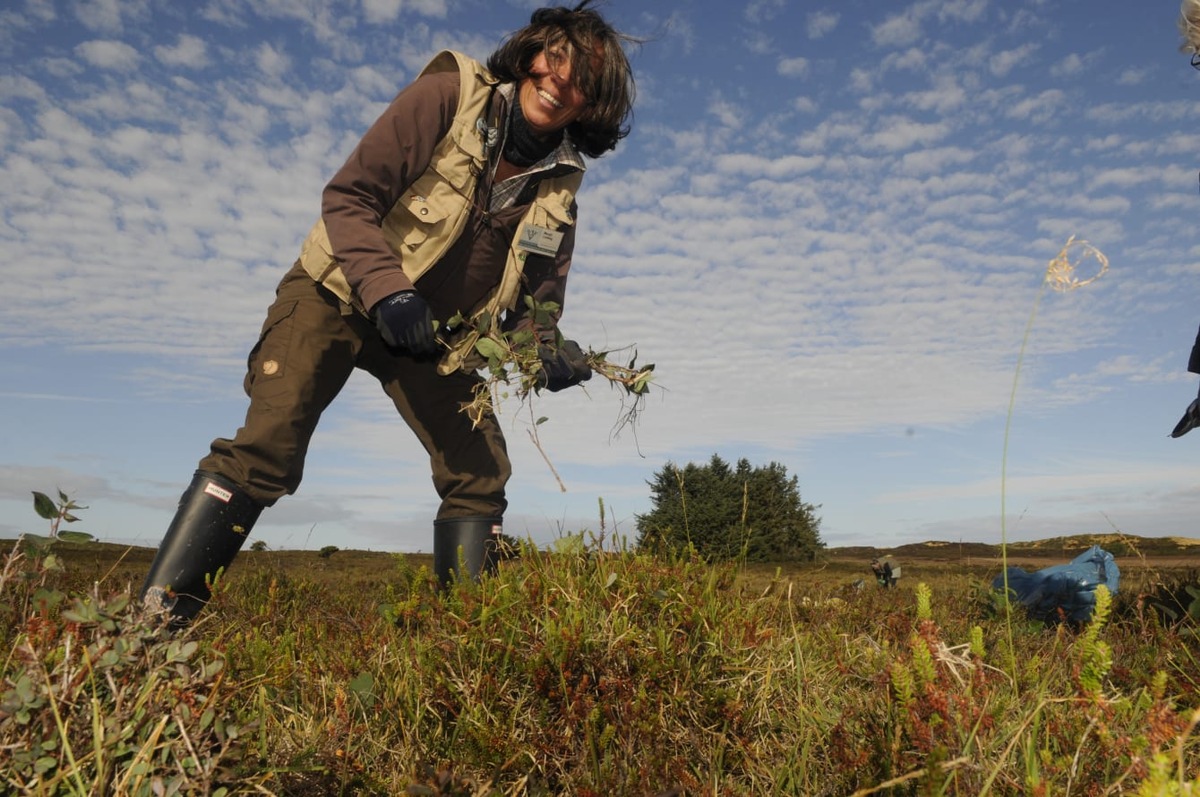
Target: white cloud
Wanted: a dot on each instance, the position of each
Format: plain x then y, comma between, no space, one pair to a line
1039,108
747,165
758,42
103,16
1126,177
913,59
1004,62
763,10
1136,369
900,133
899,30
271,61
188,51
439,9
821,24
863,80
805,105
381,11
944,96
109,54
935,160
729,114
1072,64
1134,76
962,10
793,67
681,29
40,10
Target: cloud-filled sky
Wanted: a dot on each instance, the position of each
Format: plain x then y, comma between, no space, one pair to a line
829,230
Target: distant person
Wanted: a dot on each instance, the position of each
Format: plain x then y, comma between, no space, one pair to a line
1189,26
460,199
886,575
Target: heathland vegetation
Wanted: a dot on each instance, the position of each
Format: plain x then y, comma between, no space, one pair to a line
591,670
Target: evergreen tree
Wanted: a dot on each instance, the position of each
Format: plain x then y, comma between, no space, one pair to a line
723,513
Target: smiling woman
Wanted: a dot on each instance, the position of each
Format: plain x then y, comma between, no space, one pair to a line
458,203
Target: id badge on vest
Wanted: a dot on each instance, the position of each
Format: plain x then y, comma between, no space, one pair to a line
539,240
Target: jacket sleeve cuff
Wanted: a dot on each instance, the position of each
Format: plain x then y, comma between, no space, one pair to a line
374,291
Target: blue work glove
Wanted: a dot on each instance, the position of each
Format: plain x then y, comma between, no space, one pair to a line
1190,419
562,367
406,322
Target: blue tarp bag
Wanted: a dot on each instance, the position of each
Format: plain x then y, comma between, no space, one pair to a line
1063,592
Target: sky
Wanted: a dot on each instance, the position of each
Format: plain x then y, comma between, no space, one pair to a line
829,230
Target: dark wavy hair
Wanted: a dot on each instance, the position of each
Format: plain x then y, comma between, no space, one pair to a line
599,69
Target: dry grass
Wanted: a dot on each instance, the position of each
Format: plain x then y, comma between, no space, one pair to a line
588,672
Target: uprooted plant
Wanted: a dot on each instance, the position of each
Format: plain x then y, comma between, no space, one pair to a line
512,361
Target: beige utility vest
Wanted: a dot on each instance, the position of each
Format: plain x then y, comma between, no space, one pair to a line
433,211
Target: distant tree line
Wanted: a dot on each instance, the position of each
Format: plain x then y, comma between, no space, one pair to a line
751,513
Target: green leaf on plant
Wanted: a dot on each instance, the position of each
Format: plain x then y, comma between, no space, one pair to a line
489,349
540,421
75,536
44,506
46,599
363,684
180,652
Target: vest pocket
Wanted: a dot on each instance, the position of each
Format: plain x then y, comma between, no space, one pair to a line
554,212
424,211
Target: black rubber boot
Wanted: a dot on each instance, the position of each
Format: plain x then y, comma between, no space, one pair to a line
472,543
212,522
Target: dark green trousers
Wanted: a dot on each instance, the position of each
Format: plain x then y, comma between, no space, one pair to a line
310,344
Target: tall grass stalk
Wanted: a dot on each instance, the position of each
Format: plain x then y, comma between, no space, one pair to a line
1060,276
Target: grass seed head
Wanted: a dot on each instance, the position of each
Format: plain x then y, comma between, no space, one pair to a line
1189,26
1062,272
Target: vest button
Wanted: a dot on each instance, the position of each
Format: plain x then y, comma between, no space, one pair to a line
424,211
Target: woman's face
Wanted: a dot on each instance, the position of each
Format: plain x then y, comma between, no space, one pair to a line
549,100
